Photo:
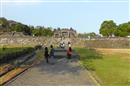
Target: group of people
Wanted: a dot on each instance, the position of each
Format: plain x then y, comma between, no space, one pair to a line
50,54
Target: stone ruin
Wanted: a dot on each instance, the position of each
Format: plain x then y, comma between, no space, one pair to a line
65,33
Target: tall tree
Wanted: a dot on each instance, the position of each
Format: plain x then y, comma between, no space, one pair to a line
123,30
108,28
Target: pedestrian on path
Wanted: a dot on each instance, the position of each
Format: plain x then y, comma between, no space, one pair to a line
52,52
52,58
69,44
69,53
46,55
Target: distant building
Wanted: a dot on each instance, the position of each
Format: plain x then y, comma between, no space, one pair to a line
65,33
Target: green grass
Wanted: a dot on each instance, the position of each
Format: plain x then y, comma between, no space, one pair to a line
9,50
9,55
108,69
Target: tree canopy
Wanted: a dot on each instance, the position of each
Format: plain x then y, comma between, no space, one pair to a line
108,28
123,30
6,26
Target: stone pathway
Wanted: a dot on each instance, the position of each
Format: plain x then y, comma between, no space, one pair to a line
61,73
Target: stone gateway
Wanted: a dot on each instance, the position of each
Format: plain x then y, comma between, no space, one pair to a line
65,33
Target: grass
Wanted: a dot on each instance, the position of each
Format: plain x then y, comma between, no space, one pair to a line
4,51
111,69
9,53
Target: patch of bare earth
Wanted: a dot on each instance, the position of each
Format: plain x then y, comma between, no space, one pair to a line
112,51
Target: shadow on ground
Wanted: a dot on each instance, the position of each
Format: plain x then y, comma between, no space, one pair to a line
60,66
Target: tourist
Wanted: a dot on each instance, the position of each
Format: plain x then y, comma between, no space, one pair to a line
52,57
69,44
60,45
63,45
46,54
69,53
52,52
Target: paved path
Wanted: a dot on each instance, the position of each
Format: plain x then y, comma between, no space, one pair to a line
61,73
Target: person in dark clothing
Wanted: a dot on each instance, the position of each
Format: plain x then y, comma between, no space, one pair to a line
52,51
46,54
69,53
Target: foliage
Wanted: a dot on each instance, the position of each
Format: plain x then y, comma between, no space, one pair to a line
108,28
42,31
123,30
6,26
18,27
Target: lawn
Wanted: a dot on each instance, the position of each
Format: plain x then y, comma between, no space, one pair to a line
109,68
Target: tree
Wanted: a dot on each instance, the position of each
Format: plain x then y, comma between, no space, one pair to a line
4,24
42,31
18,27
123,30
108,28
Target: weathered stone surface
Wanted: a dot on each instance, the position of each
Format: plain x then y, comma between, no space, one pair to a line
65,33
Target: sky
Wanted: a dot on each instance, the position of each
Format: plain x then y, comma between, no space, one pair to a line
82,15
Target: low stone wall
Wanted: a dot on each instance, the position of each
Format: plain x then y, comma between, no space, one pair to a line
111,43
22,40
76,42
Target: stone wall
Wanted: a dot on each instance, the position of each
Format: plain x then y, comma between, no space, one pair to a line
76,42
22,40
31,41
65,33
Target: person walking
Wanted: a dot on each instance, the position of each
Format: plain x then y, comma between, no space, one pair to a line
46,55
63,45
52,52
52,57
69,44
69,53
